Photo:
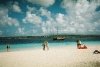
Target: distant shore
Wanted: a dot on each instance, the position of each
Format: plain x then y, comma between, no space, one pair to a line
30,39
68,56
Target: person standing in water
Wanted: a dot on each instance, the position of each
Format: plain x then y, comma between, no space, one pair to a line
45,45
8,47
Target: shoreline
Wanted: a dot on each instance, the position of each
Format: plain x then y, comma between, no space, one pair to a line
91,47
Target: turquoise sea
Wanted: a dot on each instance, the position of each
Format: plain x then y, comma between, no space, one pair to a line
38,45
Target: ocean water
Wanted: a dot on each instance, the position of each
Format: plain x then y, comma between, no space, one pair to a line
31,46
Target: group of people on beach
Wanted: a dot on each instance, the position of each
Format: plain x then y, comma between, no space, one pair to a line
46,47
79,45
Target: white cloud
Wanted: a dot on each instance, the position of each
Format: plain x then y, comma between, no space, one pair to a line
20,31
44,30
30,31
32,18
5,19
16,7
47,26
82,6
77,21
32,10
45,3
68,3
95,1
81,16
8,24
11,21
45,12
60,19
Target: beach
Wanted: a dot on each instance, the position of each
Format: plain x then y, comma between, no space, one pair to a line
68,56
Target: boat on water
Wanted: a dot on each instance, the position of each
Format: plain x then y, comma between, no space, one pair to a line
59,38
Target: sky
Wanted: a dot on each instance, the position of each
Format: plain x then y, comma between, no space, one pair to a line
49,17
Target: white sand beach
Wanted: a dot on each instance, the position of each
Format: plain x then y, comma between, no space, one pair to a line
56,57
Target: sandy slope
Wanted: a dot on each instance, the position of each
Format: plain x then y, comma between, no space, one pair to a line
56,57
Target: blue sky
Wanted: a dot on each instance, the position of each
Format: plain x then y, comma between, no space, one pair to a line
46,17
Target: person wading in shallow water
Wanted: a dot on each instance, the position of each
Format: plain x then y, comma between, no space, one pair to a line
8,47
45,45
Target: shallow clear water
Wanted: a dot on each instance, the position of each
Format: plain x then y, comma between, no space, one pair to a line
29,46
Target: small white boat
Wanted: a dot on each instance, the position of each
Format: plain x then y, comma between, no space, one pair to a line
59,38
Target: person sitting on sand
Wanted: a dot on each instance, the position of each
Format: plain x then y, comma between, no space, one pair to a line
80,45
45,45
